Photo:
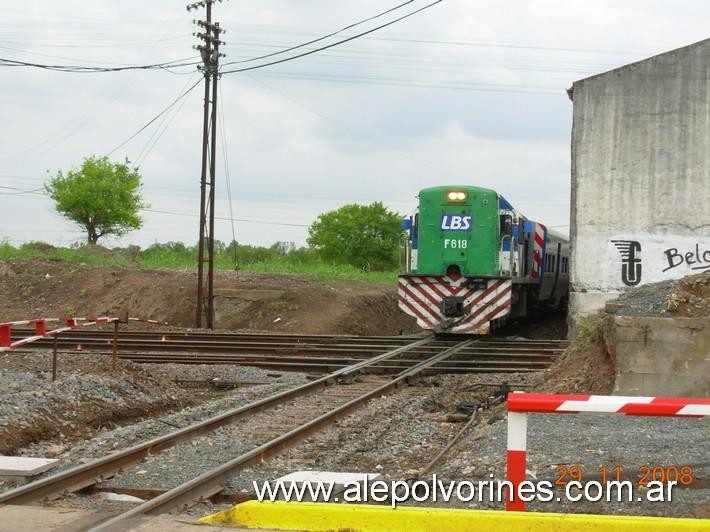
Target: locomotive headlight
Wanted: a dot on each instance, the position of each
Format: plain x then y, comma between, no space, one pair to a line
456,195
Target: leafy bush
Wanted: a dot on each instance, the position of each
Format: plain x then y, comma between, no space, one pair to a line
364,236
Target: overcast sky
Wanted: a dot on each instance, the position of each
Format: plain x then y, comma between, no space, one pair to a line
468,91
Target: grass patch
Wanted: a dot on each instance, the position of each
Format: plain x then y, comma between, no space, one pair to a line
175,255
322,272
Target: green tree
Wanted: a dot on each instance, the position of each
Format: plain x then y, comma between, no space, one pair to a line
101,196
365,236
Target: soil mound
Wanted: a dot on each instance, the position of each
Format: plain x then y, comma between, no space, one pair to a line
688,297
288,303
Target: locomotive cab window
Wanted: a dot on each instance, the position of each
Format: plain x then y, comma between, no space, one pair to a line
506,225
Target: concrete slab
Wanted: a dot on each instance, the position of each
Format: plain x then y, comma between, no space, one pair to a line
38,518
661,356
41,519
24,466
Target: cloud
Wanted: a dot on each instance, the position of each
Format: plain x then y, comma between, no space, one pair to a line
467,92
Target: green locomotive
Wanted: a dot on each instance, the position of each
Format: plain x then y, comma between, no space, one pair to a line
473,261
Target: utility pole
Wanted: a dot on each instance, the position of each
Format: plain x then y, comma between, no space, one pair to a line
209,51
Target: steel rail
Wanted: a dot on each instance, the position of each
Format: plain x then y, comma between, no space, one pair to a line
276,337
487,355
323,365
208,483
85,475
487,361
267,360
133,345
261,339
318,364
287,336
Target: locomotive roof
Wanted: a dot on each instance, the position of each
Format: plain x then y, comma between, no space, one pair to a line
458,187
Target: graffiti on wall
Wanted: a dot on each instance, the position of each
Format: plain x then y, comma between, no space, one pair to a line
692,258
631,266
656,258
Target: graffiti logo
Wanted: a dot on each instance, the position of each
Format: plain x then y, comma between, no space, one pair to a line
630,263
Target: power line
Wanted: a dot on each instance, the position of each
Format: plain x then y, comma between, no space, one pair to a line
75,123
373,59
345,28
524,46
161,113
222,128
27,52
245,220
172,213
335,123
409,83
244,69
19,192
90,69
160,130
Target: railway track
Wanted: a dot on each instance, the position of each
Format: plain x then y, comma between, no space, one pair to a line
209,483
81,476
332,400
313,353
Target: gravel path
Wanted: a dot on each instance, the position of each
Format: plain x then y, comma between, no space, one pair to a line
190,459
398,434
123,437
592,441
395,435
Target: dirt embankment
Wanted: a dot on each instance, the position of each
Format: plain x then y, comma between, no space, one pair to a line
89,396
588,364
31,288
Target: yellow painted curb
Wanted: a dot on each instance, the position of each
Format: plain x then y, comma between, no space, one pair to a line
280,515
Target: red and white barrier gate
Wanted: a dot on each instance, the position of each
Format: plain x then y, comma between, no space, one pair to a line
520,404
41,331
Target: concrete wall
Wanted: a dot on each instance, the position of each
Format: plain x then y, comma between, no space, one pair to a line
661,356
640,176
